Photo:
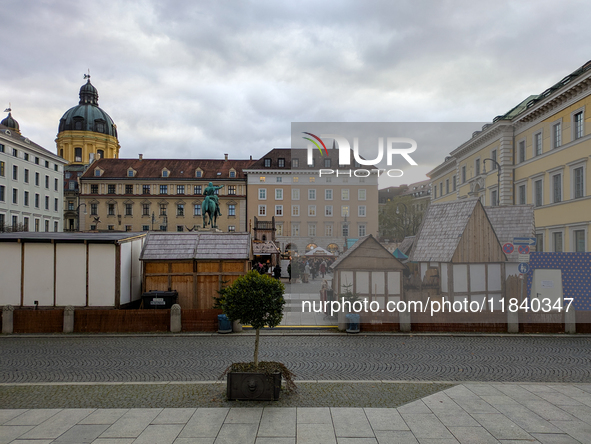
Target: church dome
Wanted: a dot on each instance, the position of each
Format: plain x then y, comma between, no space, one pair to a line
87,116
9,122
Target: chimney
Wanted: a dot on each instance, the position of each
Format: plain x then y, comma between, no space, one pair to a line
251,157
141,157
225,157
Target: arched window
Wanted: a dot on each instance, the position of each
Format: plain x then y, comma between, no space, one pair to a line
77,154
333,248
100,154
310,247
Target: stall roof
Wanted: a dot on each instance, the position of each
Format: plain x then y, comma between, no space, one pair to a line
264,248
200,246
510,222
104,238
406,245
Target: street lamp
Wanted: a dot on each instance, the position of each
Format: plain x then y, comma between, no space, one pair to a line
78,212
498,179
346,231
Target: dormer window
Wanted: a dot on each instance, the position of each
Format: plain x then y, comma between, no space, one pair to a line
198,173
164,173
281,163
97,172
232,173
267,163
131,173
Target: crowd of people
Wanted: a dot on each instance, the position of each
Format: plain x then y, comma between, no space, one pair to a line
303,268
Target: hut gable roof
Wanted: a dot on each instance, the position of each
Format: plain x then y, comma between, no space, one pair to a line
406,244
373,255
201,246
510,222
441,231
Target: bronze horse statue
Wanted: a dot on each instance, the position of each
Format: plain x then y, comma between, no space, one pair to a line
209,208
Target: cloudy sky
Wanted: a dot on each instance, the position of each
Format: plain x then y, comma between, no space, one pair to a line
198,79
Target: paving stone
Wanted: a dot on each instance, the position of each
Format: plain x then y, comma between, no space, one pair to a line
357,441
275,441
351,423
80,434
278,422
438,441
32,441
527,420
559,399
474,404
9,433
577,429
580,412
459,419
244,416
315,434
174,416
104,416
114,441
385,419
159,434
472,435
544,438
33,417
495,400
483,390
194,441
440,402
57,424
8,414
415,407
548,411
205,423
500,426
237,433
426,426
314,415
395,437
131,424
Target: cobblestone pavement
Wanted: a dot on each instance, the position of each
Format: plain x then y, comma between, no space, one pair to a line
180,395
465,414
148,358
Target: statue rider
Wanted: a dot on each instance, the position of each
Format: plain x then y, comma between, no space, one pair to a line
209,193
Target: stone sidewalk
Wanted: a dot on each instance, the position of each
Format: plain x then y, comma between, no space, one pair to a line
466,413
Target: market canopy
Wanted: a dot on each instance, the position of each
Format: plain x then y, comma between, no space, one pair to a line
319,251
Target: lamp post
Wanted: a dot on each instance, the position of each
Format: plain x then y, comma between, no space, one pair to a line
78,212
498,179
404,219
346,231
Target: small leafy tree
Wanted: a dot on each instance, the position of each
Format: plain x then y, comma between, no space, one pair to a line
254,299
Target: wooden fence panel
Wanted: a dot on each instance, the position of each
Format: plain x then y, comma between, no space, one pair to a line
121,321
199,320
38,321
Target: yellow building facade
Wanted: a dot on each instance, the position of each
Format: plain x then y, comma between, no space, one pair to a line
535,154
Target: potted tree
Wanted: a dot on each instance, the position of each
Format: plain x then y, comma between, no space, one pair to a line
256,300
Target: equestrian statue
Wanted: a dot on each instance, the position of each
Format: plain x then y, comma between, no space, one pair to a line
211,205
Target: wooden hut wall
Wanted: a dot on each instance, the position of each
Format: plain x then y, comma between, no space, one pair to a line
479,242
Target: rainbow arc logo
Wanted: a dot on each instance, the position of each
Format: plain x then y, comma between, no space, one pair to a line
314,142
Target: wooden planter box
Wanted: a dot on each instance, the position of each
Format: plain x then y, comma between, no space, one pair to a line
253,386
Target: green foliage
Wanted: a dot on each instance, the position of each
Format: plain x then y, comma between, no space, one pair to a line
399,218
254,299
348,295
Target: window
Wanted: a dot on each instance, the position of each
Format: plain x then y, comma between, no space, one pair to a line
36,223
145,189
128,211
446,186
111,209
345,230
296,179
2,166
128,189
522,193
36,161
163,227
14,196
70,205
198,173
93,209
278,193
453,183
295,230
128,227
197,210
231,210
2,193
328,194
162,209
361,211
232,174
295,163
326,163
361,194
164,173
278,210
2,151
14,172
361,230
267,163
100,154
180,189
435,189
36,200
578,184
328,210
26,199
556,135
579,241
312,194
262,210
26,178
232,190
295,194
345,194
476,169
56,184
46,226
55,204
537,144
281,162
26,157
145,209
25,223
111,188
55,225
311,230
557,188
279,179
279,229
262,194
440,189
231,228
578,125
521,151
129,173
163,189
47,202
111,227
312,179
97,173
312,210
538,197
494,198
145,228
197,190
464,174
262,179
328,230
295,210
77,154
72,185
93,189
345,210
557,240
180,210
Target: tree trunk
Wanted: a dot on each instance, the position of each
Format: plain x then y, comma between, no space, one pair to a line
256,349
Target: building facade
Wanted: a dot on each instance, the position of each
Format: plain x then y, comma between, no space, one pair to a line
537,153
160,194
31,181
311,210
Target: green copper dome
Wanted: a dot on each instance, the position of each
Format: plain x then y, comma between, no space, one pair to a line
87,116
